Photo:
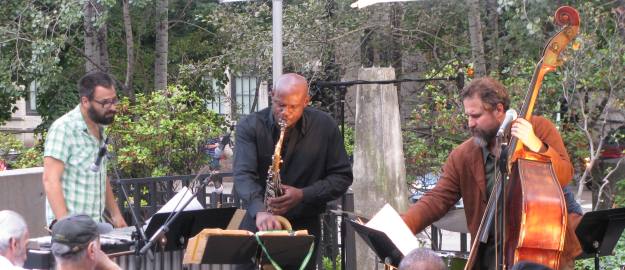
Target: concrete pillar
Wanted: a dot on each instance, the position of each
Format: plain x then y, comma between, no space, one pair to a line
21,190
263,95
379,168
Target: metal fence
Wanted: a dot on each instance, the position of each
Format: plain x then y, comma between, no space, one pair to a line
337,243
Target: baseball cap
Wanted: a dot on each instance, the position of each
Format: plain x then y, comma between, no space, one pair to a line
73,233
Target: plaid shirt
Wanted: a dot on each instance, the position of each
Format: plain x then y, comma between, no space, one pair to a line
69,141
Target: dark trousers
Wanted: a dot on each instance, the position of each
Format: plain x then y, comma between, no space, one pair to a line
312,224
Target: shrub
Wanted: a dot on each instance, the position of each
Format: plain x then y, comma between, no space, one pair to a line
163,133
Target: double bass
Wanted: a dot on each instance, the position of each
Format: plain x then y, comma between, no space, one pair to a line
528,193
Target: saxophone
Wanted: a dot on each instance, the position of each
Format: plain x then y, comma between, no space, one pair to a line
273,186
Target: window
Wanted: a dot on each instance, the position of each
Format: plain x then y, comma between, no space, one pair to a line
219,105
244,89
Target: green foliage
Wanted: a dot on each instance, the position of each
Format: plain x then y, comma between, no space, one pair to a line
33,46
163,133
308,29
617,261
17,156
348,142
31,157
436,126
328,264
619,198
9,144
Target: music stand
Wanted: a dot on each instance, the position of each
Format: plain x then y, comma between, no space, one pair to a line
227,247
380,244
598,232
188,224
286,251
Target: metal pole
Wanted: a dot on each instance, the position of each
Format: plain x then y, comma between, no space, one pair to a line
277,40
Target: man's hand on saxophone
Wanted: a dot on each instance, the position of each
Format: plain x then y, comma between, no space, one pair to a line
266,221
291,197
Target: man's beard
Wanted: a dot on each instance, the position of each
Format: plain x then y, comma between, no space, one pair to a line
483,137
101,119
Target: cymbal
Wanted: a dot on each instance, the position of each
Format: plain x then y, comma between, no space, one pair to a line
454,221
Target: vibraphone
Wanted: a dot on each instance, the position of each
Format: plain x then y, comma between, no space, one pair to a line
119,245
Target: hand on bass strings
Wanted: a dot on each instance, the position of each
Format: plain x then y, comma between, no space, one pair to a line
266,221
523,130
290,198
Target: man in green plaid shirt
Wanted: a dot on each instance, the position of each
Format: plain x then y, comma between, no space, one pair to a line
71,148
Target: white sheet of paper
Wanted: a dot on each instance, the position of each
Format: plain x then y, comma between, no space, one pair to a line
176,203
387,220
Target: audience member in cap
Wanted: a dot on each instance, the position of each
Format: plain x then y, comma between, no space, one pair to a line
76,244
422,259
13,240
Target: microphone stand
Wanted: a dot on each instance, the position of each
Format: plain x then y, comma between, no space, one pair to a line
139,232
501,166
160,233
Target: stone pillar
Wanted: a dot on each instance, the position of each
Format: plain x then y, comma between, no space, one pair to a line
263,95
379,169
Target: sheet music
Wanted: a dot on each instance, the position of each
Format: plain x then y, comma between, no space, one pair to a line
176,203
387,220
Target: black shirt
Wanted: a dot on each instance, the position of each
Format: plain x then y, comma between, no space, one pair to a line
314,161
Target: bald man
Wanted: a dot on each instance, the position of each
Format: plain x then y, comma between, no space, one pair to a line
315,168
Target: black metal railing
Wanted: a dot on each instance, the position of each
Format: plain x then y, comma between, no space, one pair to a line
337,239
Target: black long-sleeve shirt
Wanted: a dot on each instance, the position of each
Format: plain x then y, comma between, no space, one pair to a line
314,161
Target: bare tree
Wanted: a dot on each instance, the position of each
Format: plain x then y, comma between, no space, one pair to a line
598,102
162,38
477,42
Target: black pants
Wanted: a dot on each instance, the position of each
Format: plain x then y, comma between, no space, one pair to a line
312,224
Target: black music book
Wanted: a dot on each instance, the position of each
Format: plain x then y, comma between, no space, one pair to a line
387,235
379,242
239,246
188,224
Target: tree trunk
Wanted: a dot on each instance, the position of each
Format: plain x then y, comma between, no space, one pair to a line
477,43
493,35
619,11
102,37
91,48
130,52
160,61
96,48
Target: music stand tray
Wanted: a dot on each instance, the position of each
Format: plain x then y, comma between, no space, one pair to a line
188,224
214,246
599,231
380,244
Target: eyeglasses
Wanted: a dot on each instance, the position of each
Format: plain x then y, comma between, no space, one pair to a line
107,102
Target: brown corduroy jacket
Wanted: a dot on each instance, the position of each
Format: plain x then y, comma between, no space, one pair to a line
463,177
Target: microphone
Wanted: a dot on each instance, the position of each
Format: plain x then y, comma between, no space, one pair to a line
95,167
510,116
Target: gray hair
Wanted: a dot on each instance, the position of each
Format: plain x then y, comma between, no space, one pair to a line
422,259
12,226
